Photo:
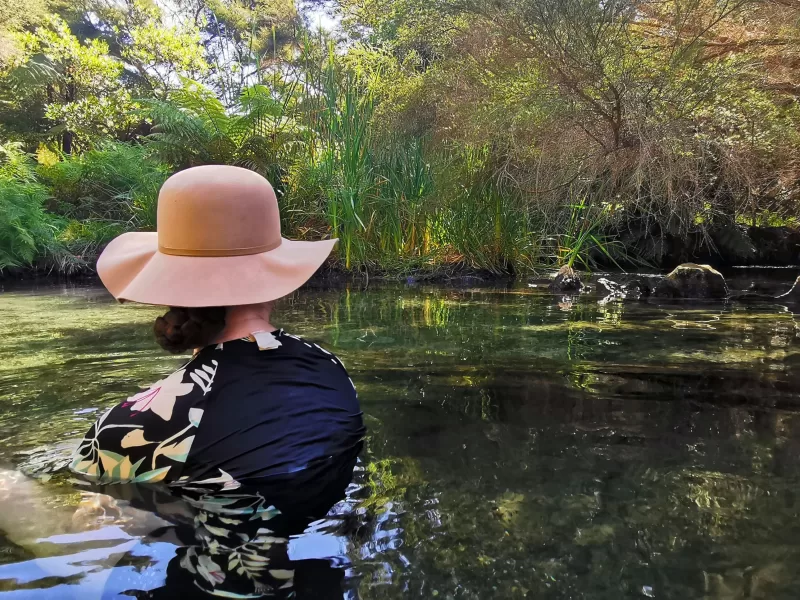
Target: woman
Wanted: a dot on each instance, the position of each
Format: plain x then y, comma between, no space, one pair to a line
260,426
254,401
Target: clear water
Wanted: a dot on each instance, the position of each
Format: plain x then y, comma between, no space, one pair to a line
520,446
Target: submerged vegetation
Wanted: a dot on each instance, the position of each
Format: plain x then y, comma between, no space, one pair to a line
501,136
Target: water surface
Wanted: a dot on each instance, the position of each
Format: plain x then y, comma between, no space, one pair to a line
520,445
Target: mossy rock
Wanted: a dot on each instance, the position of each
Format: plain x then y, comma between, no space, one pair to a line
691,280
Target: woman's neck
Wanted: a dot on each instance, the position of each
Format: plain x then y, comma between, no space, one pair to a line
241,321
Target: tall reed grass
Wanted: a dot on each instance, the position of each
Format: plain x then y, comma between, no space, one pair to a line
394,202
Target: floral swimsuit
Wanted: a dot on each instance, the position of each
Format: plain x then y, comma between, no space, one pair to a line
248,409
247,434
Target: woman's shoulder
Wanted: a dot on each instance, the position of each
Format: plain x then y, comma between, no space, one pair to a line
147,437
307,345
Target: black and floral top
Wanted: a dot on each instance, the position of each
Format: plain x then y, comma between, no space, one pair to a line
247,410
254,439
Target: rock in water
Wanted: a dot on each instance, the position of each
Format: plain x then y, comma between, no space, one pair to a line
637,289
566,281
692,281
793,295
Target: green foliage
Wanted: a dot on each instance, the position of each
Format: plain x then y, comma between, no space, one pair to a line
26,231
665,105
15,164
16,15
84,239
347,159
245,39
193,128
406,198
485,219
583,235
83,97
504,135
162,52
65,89
116,182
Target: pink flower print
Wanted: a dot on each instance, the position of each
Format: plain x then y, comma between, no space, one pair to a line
161,397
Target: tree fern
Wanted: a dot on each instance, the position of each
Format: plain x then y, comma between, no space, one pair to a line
192,128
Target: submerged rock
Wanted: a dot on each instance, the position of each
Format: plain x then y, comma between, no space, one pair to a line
757,293
691,280
612,287
566,281
775,245
637,288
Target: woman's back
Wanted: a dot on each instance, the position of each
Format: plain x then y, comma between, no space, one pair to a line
240,410
274,411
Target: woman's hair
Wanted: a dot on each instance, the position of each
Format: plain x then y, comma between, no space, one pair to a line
183,329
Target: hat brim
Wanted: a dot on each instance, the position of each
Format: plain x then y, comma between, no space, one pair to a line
132,269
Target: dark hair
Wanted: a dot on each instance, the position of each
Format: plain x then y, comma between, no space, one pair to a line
183,329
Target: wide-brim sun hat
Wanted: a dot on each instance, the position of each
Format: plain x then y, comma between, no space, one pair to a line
218,243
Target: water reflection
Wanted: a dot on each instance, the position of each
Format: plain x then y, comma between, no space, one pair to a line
157,541
234,542
519,447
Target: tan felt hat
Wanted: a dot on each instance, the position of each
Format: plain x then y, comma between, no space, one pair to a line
218,244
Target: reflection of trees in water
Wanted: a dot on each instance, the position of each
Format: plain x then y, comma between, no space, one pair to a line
577,451
460,328
528,485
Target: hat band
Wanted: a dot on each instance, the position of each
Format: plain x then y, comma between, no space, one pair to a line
212,252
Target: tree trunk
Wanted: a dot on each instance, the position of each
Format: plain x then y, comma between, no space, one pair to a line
66,142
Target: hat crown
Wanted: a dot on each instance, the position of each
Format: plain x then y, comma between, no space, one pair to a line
217,210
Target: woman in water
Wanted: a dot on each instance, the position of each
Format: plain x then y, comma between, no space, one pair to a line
260,425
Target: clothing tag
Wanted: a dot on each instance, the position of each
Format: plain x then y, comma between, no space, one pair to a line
266,341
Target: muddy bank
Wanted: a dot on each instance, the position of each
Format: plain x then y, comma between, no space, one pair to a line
723,247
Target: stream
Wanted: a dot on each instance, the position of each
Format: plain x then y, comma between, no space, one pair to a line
520,445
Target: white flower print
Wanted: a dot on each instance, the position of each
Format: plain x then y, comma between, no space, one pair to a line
161,397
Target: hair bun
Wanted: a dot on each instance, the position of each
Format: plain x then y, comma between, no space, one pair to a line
182,329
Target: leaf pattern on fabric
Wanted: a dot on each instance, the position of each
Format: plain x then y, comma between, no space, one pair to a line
227,482
210,570
204,376
147,438
195,415
134,438
236,557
